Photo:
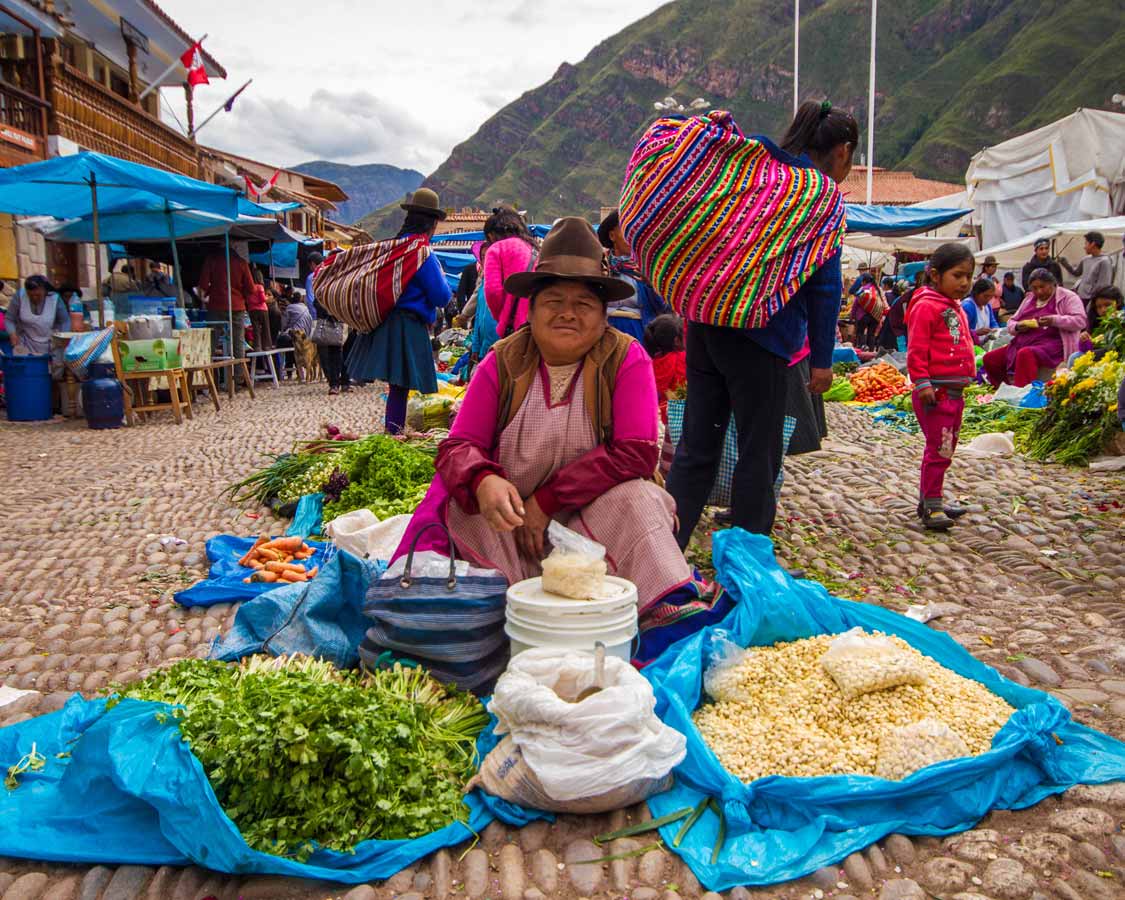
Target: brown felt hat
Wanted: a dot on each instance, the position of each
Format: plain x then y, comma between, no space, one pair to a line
571,251
424,201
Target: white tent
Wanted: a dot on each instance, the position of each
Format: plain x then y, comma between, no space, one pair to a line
1067,239
1070,170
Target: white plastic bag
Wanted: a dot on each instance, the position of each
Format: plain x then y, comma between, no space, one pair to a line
431,564
603,752
362,534
992,444
576,565
860,663
905,750
720,679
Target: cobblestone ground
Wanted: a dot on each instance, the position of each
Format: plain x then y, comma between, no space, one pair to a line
1031,583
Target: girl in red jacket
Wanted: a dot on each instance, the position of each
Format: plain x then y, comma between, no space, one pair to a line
941,361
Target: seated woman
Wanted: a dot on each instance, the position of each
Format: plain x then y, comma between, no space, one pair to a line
978,310
1045,332
560,422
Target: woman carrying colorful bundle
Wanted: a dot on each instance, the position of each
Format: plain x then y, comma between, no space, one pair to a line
560,422
755,270
1045,332
398,350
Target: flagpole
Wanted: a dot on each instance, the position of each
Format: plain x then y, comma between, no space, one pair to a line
796,53
871,110
176,62
222,106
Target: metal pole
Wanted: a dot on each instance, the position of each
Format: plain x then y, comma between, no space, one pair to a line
871,109
175,259
230,302
159,78
796,53
222,106
97,251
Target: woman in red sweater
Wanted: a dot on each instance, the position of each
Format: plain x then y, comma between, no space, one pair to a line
941,361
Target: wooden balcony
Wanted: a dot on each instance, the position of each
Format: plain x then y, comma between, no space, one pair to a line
97,119
23,126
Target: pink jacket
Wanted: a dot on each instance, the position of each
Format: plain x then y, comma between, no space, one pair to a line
1070,318
505,258
469,453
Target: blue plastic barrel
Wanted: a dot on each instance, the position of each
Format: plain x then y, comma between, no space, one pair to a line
27,387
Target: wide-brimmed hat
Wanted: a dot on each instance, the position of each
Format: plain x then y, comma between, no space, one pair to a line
605,230
990,260
570,251
424,201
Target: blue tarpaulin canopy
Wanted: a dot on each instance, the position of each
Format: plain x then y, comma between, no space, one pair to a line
160,226
899,221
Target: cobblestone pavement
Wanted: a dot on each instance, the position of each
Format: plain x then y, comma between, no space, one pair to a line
1032,582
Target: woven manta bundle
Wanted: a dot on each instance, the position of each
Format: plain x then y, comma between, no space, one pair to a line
361,286
722,229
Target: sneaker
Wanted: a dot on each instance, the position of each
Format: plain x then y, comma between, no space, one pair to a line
332,392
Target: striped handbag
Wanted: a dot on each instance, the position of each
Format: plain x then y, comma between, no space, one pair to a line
361,286
720,225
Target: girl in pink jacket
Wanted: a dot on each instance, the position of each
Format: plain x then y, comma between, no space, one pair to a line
511,249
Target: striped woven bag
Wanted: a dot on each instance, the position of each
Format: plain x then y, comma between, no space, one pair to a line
361,286
719,226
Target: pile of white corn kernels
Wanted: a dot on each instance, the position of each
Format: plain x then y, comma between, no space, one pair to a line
779,712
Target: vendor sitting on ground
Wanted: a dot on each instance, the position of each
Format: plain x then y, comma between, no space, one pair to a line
1045,332
978,309
560,422
33,314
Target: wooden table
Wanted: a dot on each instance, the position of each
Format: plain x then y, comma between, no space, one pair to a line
208,370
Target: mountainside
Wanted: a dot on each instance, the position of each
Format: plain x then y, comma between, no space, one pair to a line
953,76
368,186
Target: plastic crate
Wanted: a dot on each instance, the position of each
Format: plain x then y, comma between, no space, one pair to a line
150,356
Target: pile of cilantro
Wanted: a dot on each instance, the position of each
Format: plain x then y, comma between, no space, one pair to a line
302,755
388,476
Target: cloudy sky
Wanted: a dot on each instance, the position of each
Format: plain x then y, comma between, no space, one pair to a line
391,81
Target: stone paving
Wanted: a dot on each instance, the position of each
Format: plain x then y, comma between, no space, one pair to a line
1032,582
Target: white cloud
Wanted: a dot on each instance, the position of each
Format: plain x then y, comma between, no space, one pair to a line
383,81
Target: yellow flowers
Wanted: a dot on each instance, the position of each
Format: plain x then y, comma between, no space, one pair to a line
1084,385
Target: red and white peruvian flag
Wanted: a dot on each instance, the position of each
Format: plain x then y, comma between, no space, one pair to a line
192,59
256,190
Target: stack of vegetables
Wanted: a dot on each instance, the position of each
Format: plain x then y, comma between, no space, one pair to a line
277,560
301,755
881,381
1080,419
388,475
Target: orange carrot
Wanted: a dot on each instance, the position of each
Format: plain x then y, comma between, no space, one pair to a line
284,544
268,555
312,572
294,577
268,577
245,580
280,568
254,564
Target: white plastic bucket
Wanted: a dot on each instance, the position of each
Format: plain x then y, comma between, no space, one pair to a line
536,618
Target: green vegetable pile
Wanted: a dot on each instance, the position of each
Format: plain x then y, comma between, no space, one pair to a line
387,476
301,755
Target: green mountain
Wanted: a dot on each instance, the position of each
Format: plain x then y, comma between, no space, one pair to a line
368,186
953,76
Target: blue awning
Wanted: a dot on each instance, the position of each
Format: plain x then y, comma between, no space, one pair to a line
62,187
899,221
149,226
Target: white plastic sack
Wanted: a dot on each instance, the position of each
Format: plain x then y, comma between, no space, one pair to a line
605,742
1008,393
362,534
431,564
860,663
993,444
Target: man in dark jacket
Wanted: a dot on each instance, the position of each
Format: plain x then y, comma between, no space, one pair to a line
1041,260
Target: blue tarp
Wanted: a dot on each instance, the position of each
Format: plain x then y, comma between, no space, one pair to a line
453,264
899,221
280,256
323,618
784,828
224,580
131,792
60,187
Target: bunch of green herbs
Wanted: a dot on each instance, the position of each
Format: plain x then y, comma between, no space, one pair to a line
386,475
302,755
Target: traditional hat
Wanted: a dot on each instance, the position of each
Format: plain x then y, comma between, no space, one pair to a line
570,251
609,223
990,260
424,201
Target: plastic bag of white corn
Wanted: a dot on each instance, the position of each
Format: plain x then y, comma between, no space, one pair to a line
721,679
860,663
576,567
905,750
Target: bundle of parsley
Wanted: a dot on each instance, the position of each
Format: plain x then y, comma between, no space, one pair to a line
302,755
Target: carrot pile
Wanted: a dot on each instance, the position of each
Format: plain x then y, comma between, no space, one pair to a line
879,382
278,560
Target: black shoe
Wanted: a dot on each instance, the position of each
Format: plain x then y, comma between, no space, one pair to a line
934,519
955,512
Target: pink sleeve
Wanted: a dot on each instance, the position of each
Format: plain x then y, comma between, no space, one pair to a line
632,451
1071,313
466,457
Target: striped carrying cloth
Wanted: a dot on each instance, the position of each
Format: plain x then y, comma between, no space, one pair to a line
361,286
720,227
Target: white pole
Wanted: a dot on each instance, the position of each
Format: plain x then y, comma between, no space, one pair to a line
796,53
198,128
871,109
156,83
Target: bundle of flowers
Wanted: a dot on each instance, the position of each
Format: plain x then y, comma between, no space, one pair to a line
1081,415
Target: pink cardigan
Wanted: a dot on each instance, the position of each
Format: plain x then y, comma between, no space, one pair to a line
1070,317
505,258
469,453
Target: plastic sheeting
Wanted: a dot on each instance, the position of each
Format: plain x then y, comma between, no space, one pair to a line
322,618
784,828
899,220
131,792
224,580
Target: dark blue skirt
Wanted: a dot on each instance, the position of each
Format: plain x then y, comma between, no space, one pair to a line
633,327
397,352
